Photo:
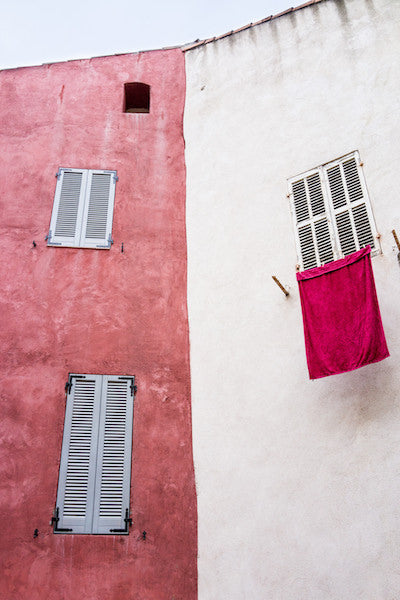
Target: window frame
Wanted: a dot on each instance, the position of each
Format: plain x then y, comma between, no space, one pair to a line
331,212
136,97
78,237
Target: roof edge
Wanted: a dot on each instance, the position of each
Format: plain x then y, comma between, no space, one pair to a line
183,47
198,43
87,58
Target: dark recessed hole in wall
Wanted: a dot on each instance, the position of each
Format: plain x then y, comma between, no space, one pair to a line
137,97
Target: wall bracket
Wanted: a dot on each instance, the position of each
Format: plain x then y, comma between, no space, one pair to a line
278,283
128,522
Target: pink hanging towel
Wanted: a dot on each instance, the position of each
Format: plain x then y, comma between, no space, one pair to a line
342,322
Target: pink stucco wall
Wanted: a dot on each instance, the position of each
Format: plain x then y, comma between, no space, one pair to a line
95,311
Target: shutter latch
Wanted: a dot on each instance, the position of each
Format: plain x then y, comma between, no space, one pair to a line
128,521
54,521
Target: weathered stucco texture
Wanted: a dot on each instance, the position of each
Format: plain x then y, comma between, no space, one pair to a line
298,482
95,311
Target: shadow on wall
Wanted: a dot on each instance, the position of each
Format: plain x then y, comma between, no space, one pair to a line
364,396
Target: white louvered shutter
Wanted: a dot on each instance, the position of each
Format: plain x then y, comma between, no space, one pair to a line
314,237
331,211
69,200
98,210
79,454
352,215
111,504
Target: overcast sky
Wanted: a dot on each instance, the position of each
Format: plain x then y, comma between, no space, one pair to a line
37,31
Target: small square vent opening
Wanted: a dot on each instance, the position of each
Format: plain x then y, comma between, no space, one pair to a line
137,97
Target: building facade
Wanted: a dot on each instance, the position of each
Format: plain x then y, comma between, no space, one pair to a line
78,313
297,480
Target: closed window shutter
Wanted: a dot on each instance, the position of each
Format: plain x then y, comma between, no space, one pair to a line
79,454
314,239
94,481
114,455
69,200
352,214
98,211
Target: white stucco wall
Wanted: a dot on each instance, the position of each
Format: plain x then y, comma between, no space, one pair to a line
298,482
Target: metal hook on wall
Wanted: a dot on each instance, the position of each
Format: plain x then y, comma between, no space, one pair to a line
396,239
278,283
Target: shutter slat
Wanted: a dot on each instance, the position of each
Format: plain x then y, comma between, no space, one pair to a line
345,231
336,187
324,244
307,247
363,228
300,201
315,193
353,182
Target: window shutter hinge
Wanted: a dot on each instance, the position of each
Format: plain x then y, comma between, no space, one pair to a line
128,522
68,384
132,386
110,243
49,242
58,174
54,521
116,178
